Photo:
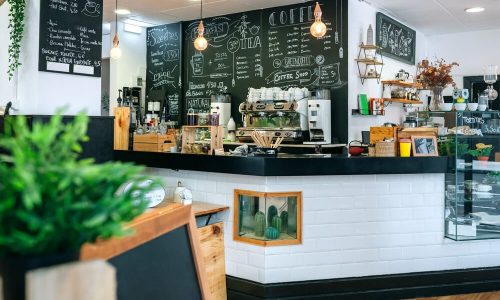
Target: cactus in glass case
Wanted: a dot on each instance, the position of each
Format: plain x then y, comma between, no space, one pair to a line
272,233
271,212
276,223
259,223
284,221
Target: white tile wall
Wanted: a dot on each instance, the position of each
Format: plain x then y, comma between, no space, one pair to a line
352,226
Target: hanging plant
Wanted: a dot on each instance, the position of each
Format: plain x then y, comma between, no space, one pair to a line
16,25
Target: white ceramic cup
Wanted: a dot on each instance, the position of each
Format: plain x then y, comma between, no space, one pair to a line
482,107
460,106
472,106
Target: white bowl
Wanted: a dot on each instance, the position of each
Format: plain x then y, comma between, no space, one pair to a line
472,106
460,106
482,107
445,106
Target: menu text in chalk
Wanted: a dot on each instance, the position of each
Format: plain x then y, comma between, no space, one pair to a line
71,37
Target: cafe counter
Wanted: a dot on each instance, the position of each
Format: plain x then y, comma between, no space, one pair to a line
307,225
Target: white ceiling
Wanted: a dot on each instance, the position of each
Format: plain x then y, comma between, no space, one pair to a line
159,12
434,17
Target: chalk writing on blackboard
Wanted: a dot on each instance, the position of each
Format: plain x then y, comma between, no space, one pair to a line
70,38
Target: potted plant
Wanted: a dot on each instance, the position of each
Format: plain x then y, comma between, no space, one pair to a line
436,76
52,203
482,152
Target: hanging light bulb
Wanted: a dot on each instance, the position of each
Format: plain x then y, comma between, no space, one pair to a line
201,43
116,52
318,28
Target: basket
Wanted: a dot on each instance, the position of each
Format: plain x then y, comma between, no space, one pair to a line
385,149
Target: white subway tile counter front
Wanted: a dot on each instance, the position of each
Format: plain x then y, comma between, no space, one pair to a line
353,225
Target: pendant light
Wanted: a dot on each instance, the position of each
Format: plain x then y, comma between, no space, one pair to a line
201,43
318,28
116,52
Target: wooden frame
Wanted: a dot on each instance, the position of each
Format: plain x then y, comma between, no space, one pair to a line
426,137
149,226
236,209
189,135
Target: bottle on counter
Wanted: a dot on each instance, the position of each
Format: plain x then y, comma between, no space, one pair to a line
231,130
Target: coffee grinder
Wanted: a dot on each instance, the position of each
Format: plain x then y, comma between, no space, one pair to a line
319,113
221,104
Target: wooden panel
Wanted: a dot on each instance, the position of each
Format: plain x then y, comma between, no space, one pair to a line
212,248
1,2
479,296
378,134
150,138
145,147
122,125
204,208
93,280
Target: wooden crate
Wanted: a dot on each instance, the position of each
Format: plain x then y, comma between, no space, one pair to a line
153,142
407,133
385,149
212,250
378,134
189,138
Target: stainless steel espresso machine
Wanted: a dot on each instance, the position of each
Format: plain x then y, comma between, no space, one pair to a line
278,118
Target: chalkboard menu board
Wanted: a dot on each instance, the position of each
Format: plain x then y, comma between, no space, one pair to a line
268,48
164,66
71,37
397,40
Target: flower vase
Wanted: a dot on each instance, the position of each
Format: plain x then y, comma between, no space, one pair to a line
437,98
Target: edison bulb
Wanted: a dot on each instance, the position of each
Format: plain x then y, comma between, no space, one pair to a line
318,29
115,52
200,43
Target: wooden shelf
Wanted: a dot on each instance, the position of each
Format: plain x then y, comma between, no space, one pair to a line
204,208
370,47
404,101
369,61
402,84
357,112
369,77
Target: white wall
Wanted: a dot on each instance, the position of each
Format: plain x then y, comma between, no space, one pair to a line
42,92
472,50
124,71
361,15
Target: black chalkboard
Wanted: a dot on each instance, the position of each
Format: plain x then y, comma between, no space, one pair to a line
164,66
162,268
397,40
269,48
71,37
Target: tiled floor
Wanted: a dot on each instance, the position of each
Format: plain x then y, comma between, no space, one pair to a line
481,296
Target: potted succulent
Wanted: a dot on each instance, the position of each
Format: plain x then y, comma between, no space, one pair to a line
482,152
52,203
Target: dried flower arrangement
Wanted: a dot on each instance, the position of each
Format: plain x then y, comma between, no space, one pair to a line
437,74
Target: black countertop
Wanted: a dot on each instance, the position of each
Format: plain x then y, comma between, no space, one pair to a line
291,165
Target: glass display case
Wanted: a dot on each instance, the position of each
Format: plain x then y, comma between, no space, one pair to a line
268,219
471,140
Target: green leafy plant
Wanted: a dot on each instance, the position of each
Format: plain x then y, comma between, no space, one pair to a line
450,147
481,150
52,202
16,26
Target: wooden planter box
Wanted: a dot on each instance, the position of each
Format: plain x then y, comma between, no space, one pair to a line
192,139
153,142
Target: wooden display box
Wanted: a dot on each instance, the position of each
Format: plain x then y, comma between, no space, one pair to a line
379,134
195,137
153,142
267,219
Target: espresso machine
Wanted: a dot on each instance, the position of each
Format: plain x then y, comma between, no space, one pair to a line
221,104
277,118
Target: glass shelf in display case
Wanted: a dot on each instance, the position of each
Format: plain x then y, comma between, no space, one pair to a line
268,219
472,183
